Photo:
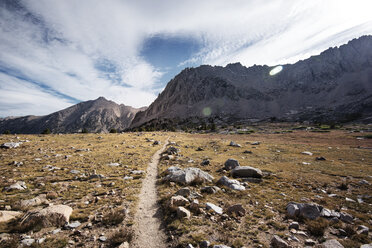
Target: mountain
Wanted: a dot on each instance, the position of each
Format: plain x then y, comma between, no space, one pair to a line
333,86
98,115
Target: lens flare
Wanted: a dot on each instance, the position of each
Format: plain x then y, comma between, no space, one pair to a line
207,111
276,70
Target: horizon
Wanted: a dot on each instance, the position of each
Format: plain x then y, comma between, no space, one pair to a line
56,54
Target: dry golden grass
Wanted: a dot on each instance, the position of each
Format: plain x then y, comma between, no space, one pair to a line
89,198
287,179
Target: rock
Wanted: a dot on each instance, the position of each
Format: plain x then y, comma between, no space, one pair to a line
307,153
252,180
172,151
221,246
185,192
6,216
231,183
277,242
294,225
305,210
205,244
237,210
194,205
320,159
247,152
73,225
114,164
332,243
20,185
137,172
246,171
345,217
74,171
364,182
366,246
10,145
310,242
96,176
55,215
205,162
55,231
188,176
362,230
214,208
234,144
124,245
102,238
199,149
183,213
329,213
176,201
256,143
231,164
127,178
156,143
210,189
41,199
27,242
189,246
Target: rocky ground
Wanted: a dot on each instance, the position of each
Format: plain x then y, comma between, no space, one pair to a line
273,186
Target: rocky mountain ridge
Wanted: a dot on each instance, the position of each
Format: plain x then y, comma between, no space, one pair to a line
98,115
333,86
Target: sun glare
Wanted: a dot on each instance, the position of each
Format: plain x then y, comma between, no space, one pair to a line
276,70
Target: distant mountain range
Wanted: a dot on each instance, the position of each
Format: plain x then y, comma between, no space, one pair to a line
335,86
98,115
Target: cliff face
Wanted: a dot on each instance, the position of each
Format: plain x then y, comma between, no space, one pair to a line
98,115
335,85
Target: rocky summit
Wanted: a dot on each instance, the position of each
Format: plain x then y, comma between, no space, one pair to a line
98,115
333,86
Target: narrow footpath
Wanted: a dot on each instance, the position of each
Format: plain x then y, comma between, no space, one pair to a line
147,219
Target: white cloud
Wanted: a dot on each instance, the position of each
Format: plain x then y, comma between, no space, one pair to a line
64,51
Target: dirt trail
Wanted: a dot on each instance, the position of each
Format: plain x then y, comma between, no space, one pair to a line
147,229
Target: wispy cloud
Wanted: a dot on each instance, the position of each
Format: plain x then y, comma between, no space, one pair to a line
68,51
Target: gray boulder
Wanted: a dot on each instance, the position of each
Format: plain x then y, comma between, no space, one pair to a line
183,213
305,210
277,242
231,164
214,208
20,185
55,215
231,183
6,216
234,144
347,218
187,176
246,171
10,145
210,189
332,243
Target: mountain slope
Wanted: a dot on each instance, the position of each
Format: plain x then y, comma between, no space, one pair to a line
333,86
98,115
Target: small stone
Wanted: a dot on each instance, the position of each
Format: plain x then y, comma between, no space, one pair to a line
205,162
56,231
214,208
177,201
183,213
102,238
74,171
234,144
294,225
73,225
362,229
210,189
237,210
231,164
124,245
307,153
320,159
310,242
221,246
205,244
28,242
277,242
185,192
189,246
345,217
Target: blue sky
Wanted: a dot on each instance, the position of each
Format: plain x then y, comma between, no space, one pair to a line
54,54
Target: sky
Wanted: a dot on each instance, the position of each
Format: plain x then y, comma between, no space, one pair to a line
56,53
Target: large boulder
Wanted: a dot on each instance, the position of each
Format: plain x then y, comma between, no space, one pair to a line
187,176
231,164
231,183
304,210
172,151
52,216
6,216
20,185
332,243
10,145
246,171
177,201
41,199
214,208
